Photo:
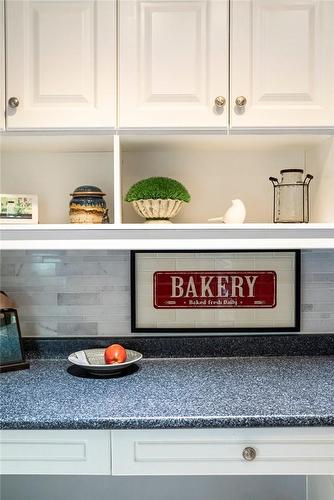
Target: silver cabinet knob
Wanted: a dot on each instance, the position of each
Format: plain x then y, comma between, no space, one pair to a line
241,101
249,454
220,101
13,102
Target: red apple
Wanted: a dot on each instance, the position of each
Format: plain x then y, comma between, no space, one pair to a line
115,353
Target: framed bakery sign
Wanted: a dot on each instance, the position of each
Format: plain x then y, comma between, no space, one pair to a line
219,291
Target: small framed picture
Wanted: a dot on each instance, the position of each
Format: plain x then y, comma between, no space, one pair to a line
11,352
19,208
215,291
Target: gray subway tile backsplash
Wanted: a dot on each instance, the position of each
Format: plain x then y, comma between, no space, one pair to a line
87,293
89,328
78,298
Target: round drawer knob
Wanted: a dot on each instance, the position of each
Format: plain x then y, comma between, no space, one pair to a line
241,101
13,102
220,101
249,454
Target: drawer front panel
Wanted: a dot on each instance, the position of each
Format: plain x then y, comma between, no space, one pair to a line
187,452
69,451
55,452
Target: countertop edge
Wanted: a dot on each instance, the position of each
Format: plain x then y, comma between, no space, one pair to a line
177,423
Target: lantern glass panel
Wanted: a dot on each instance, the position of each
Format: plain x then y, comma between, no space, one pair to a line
290,203
291,196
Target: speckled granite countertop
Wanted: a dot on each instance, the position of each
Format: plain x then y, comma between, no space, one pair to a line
172,393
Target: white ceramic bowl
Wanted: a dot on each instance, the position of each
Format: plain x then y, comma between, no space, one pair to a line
92,360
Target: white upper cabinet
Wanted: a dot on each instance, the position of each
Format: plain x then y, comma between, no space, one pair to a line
60,63
2,66
173,63
182,63
282,62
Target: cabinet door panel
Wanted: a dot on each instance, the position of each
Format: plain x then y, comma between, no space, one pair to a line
61,63
55,452
173,63
220,451
2,66
282,62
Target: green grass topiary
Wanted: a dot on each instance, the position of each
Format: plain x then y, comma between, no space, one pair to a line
157,188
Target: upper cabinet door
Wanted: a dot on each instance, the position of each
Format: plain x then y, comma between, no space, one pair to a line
2,66
282,63
60,63
173,63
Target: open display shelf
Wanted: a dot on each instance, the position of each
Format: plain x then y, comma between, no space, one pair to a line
215,168
180,236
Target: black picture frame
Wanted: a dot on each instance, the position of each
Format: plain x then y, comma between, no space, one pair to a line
219,330
18,362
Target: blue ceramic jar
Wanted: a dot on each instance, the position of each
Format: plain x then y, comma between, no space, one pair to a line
87,206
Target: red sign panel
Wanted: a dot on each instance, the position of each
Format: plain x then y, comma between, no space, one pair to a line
214,289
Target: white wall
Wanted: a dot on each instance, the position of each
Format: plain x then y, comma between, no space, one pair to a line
320,159
153,488
213,179
53,176
213,173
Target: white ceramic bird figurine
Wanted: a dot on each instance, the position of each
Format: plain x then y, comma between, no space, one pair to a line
236,214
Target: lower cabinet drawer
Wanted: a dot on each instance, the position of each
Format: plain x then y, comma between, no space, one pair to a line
55,452
223,451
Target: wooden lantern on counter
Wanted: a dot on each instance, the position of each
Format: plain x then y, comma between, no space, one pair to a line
11,350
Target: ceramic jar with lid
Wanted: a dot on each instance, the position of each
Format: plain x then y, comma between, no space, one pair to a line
87,206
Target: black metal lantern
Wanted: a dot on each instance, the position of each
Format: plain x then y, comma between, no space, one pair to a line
11,351
291,196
